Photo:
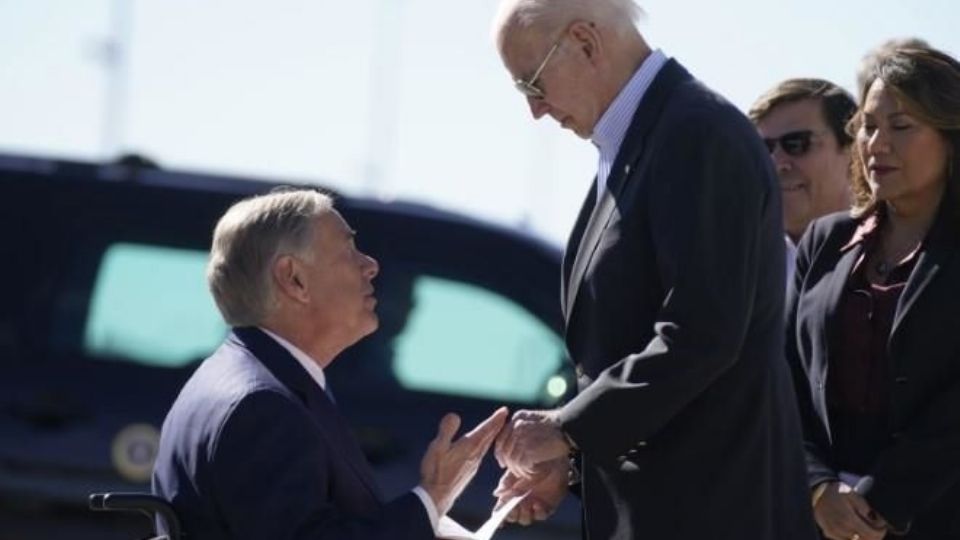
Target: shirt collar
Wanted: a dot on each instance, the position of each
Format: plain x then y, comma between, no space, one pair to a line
865,231
612,128
313,368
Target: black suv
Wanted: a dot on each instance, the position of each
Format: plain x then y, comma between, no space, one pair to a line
105,314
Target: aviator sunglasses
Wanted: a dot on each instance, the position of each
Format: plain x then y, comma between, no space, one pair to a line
794,143
529,87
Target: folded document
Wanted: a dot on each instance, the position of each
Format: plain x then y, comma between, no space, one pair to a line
451,530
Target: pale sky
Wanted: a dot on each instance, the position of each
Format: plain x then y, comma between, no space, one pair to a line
389,98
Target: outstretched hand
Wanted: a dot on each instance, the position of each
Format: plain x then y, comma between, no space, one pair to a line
448,466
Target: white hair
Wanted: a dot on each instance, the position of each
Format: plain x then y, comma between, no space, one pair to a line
246,243
549,15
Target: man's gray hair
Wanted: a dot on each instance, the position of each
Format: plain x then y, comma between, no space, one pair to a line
550,15
246,243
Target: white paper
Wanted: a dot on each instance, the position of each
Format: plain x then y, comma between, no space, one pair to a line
451,530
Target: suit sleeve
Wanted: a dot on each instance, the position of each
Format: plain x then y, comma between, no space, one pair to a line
708,194
815,439
271,476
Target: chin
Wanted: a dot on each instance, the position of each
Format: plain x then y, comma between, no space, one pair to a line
880,192
363,329
582,133
371,324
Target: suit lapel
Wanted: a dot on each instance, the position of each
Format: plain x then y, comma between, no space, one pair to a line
941,245
342,437
588,246
573,244
644,119
292,375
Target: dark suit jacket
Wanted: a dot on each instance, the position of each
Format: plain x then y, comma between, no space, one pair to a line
916,478
673,299
253,448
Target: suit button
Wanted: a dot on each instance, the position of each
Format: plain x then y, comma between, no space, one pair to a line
901,380
626,170
578,369
896,435
641,444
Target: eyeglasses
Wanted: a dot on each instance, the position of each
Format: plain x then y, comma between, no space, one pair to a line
529,88
794,144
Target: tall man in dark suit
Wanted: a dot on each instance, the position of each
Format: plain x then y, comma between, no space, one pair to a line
685,425
254,448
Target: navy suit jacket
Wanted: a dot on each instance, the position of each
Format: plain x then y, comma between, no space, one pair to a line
253,448
917,475
673,299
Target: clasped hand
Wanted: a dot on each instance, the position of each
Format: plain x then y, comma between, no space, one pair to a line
534,451
529,439
842,514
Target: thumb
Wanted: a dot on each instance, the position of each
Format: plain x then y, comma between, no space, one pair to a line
515,486
449,425
506,483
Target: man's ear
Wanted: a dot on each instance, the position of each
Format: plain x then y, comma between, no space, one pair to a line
289,279
587,39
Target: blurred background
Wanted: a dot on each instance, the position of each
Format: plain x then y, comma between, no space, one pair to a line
392,98
401,106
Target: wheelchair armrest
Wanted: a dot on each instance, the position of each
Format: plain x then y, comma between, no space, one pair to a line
145,503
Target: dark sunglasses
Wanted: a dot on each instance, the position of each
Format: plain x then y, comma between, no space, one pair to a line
795,143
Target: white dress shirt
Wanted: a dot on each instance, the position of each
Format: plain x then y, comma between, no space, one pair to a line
316,373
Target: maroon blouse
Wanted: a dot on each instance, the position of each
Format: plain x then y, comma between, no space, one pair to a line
858,381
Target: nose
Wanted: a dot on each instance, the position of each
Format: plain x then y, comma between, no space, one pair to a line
877,143
370,266
538,107
781,160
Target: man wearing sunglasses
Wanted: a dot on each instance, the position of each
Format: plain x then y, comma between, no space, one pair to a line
803,123
684,426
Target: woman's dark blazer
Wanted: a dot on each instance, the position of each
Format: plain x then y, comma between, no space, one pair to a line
917,477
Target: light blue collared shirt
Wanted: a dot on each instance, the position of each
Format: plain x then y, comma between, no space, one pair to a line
612,128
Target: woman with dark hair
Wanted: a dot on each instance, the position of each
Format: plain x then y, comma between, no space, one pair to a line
873,321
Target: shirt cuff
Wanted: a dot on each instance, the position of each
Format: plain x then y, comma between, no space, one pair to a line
428,504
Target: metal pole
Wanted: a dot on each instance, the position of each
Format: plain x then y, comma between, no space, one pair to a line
115,65
384,67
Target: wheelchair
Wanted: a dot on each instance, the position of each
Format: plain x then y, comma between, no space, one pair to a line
151,506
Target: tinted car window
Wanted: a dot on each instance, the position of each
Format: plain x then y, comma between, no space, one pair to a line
150,305
465,340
